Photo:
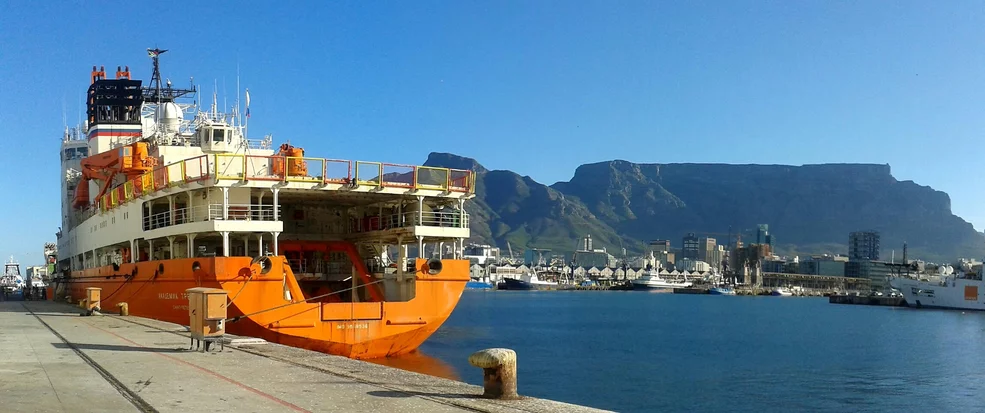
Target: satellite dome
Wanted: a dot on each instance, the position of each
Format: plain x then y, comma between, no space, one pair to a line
169,115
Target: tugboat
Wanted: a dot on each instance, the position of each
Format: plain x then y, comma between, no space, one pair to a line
161,195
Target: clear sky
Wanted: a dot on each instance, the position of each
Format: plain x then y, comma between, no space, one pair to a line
538,87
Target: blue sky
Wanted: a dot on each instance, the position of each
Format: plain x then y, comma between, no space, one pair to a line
538,87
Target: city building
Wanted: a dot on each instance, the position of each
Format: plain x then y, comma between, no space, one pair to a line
831,265
863,245
748,257
774,264
690,265
763,236
589,257
691,247
762,232
481,254
660,245
708,251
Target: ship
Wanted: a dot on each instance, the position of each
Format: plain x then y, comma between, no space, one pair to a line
651,281
529,282
11,281
162,194
957,289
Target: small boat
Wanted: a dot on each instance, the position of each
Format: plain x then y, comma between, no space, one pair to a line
781,292
722,290
478,285
652,281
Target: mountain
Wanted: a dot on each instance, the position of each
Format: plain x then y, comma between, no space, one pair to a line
516,209
809,209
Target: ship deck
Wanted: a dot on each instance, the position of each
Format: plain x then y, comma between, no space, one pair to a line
59,361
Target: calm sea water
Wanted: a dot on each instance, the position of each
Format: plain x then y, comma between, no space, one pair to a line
637,351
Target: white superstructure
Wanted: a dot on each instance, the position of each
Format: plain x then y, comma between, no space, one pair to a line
961,289
11,280
651,281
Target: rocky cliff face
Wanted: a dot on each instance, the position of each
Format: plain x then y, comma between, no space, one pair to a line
810,208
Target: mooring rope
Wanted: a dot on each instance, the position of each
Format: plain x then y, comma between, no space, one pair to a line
237,318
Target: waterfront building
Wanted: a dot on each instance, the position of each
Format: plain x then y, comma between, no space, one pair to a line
774,264
830,265
481,254
878,272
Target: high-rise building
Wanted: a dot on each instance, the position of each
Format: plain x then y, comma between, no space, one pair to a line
762,233
707,250
863,245
691,249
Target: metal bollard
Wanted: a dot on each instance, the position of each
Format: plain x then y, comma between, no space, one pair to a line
124,308
498,372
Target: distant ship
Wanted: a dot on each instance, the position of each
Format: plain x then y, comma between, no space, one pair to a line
11,280
652,281
160,194
532,282
958,290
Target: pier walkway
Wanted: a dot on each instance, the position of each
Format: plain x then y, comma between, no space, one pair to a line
55,360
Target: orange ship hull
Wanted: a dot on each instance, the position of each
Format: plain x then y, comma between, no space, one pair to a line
272,305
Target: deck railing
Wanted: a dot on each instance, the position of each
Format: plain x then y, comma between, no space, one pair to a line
450,219
239,167
209,212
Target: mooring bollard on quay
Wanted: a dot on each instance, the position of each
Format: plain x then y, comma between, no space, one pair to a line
498,372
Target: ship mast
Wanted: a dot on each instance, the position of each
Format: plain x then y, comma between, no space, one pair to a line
155,93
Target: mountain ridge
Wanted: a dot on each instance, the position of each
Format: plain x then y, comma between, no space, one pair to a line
810,208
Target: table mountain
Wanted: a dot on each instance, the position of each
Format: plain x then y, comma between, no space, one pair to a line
809,209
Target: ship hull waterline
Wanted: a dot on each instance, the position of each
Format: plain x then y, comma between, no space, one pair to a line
361,330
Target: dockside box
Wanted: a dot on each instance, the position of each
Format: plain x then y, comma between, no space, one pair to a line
206,312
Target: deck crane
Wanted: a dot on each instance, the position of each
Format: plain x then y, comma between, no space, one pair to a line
131,160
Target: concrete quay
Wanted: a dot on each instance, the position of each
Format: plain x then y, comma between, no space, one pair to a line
58,361
868,300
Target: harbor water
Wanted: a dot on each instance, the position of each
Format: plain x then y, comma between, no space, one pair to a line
638,351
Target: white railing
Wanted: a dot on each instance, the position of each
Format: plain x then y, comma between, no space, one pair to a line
451,219
209,212
243,212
